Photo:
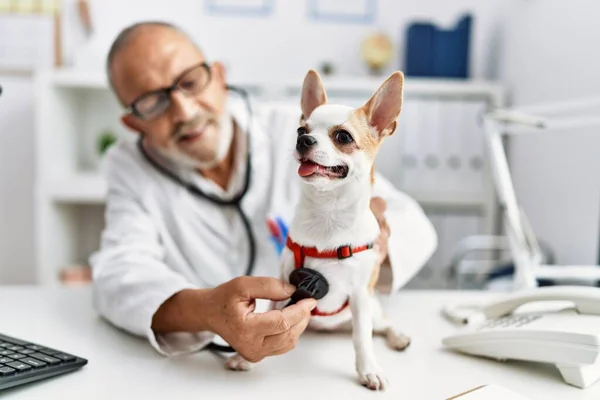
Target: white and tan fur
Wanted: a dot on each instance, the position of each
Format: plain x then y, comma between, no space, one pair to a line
336,212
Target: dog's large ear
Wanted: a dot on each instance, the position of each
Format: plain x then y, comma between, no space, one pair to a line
313,93
383,108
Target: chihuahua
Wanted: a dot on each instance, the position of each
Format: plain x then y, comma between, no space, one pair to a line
334,229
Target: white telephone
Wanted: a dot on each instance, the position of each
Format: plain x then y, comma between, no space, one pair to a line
568,337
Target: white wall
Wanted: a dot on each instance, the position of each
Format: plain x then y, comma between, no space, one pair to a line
289,42
243,43
287,39
551,54
16,180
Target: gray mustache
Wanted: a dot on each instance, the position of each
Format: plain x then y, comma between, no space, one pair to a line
198,120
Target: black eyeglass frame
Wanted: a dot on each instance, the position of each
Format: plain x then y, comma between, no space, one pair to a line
167,91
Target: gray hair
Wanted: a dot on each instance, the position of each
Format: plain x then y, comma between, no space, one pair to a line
127,34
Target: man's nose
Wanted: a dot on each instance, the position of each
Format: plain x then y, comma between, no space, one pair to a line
183,108
304,143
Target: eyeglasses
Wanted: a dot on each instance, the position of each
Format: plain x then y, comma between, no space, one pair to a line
191,82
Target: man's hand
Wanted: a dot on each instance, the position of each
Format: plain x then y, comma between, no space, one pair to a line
379,206
228,311
254,335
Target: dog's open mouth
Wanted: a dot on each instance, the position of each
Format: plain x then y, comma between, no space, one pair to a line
309,168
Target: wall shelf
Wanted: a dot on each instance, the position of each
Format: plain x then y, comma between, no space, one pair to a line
73,107
339,85
91,188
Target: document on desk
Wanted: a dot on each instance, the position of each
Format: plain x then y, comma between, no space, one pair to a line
489,392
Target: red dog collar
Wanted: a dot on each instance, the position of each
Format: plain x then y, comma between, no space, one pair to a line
342,252
301,252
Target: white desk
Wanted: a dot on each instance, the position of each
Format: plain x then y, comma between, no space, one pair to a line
321,366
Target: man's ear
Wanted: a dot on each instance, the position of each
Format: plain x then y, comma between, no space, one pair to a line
217,70
383,108
313,93
129,121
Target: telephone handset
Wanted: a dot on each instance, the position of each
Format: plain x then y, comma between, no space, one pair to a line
568,337
586,300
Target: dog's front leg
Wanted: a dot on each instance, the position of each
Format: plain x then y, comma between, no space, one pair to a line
369,372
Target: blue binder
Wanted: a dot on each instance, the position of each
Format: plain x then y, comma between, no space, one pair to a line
432,52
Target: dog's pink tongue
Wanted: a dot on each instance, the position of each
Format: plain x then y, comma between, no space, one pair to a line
307,168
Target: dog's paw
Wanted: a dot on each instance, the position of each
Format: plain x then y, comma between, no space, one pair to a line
238,363
397,341
371,375
373,379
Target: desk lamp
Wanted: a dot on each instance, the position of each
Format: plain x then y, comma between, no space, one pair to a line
522,242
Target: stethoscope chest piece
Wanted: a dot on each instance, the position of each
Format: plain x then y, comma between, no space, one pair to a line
309,284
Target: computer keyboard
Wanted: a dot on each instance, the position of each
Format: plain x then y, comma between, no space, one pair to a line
25,362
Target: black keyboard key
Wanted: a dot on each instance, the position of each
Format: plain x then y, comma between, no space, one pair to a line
46,358
48,351
6,371
19,365
33,362
15,341
64,357
24,362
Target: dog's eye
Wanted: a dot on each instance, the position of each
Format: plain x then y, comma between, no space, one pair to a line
343,137
302,131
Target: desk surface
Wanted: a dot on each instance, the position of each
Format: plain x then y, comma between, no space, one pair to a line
321,366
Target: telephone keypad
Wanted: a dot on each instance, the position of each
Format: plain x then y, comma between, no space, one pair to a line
512,321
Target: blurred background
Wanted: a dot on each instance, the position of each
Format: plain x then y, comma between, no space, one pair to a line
461,58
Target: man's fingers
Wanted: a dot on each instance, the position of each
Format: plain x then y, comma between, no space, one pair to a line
296,330
385,228
269,323
285,341
264,288
378,205
299,311
277,321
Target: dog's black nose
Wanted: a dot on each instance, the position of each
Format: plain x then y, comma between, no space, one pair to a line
304,142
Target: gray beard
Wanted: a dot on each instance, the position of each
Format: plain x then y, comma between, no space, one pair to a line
180,160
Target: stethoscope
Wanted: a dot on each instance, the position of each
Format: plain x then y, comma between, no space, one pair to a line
236,201
309,283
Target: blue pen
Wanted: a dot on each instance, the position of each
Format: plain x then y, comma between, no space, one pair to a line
279,231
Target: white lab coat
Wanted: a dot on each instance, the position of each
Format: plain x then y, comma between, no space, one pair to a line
159,238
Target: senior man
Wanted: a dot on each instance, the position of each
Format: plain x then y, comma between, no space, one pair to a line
185,253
